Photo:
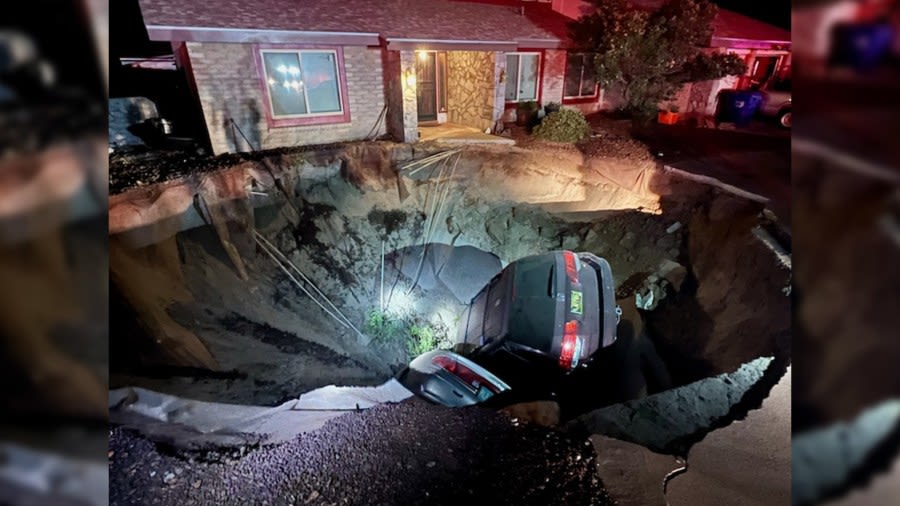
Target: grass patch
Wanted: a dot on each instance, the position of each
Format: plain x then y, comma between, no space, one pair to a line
414,335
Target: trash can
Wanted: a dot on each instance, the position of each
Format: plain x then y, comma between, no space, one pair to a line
862,46
737,106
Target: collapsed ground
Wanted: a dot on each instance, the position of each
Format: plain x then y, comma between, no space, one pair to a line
206,312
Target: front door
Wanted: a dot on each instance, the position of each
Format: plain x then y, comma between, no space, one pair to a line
426,86
763,69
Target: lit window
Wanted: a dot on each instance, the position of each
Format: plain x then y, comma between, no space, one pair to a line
581,80
302,83
522,71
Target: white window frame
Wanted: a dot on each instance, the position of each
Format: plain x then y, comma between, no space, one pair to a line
595,94
537,78
299,53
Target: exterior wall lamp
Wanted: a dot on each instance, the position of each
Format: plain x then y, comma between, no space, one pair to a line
409,77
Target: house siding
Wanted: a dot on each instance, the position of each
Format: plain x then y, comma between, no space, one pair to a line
228,88
553,83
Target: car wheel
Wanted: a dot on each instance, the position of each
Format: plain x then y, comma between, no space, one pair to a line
784,118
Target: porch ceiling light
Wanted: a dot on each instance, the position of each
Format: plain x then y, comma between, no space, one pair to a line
423,55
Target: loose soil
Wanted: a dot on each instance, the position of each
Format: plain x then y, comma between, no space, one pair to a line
409,453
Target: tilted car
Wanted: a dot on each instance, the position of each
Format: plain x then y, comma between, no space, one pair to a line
558,305
450,379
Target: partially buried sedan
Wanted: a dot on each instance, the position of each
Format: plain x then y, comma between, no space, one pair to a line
444,377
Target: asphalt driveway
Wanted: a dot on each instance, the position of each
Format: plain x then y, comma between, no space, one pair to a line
755,160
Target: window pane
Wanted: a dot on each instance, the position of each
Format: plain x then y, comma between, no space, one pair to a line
321,80
284,83
528,66
574,64
588,79
512,76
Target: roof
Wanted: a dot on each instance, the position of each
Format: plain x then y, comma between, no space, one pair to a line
730,25
347,21
540,13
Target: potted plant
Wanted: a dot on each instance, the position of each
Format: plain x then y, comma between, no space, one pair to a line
668,117
525,112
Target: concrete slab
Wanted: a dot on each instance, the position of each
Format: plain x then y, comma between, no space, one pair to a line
632,474
451,133
746,463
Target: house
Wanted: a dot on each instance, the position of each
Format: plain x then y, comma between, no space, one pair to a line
766,49
273,73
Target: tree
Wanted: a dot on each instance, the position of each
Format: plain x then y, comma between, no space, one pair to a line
649,55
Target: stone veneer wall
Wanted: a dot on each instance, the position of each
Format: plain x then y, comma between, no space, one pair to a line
228,88
471,89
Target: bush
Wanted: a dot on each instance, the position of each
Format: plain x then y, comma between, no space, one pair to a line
564,125
387,329
421,339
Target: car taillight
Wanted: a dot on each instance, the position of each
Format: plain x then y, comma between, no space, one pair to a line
570,350
571,266
462,372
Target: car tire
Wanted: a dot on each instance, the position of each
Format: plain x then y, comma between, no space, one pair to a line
784,118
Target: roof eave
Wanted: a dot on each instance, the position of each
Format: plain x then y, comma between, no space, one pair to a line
250,35
407,44
745,43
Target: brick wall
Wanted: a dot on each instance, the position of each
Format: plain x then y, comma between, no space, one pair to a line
552,85
228,88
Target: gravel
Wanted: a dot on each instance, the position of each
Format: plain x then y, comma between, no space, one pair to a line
408,453
138,166
29,128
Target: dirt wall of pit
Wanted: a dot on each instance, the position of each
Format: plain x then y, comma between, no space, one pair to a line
348,217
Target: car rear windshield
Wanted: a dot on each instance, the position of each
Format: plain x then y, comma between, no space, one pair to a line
532,320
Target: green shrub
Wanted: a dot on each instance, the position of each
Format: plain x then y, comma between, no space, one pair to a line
384,328
564,125
387,329
421,339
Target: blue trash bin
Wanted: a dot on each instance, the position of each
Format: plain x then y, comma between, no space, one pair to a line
862,46
738,106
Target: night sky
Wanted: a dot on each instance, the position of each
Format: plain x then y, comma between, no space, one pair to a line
775,12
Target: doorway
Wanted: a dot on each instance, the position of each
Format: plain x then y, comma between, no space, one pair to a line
763,69
426,85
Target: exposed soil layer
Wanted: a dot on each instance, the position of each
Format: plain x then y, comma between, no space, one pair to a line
142,166
347,208
28,128
409,453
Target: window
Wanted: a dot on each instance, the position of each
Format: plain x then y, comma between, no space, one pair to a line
581,81
522,71
302,83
